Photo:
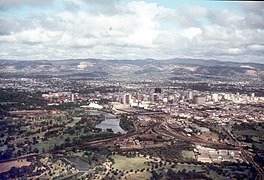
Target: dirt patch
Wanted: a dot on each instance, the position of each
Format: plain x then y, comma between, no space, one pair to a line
6,166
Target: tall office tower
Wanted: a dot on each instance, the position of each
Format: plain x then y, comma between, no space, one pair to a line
215,97
140,97
96,93
72,97
126,99
184,95
157,90
155,97
190,96
199,99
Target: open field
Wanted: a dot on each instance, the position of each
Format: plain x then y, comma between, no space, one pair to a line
6,166
259,146
124,163
72,124
210,136
188,167
49,144
188,154
215,175
80,164
139,175
259,133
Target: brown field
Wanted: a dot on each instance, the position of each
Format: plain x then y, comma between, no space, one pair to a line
210,136
6,166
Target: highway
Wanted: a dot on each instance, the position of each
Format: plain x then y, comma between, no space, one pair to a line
248,157
161,126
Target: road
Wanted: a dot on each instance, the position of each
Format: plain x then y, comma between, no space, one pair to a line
125,136
161,127
248,157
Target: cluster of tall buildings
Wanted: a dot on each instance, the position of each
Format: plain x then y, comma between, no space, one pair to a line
158,95
60,97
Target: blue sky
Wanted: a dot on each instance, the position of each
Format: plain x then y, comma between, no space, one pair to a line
131,29
27,9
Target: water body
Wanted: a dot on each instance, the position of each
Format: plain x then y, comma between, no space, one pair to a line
94,113
82,165
111,123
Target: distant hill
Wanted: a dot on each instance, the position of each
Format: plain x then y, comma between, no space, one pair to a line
103,68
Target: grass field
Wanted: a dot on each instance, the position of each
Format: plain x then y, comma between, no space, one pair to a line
188,167
215,175
259,146
50,143
75,120
259,133
139,175
188,154
124,163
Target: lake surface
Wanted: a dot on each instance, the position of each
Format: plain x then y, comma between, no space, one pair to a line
111,123
94,112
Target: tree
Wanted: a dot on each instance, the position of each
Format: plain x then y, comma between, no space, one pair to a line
7,154
13,172
35,150
67,140
19,153
184,171
34,140
170,173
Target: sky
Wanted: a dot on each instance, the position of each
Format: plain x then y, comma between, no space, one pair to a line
132,29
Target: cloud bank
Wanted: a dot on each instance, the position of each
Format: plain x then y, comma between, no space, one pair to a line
130,30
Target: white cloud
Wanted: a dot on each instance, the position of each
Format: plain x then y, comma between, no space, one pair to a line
256,47
234,50
132,30
146,24
192,32
5,4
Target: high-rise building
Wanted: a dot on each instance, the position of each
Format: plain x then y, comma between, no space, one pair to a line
190,96
72,97
97,93
140,97
157,90
252,96
126,99
183,95
155,97
199,100
215,97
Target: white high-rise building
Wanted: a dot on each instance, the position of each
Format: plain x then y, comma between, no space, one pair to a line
72,97
215,97
190,96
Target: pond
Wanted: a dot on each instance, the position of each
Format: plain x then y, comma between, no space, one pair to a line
111,123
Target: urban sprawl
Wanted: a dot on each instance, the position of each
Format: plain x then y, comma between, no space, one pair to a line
98,129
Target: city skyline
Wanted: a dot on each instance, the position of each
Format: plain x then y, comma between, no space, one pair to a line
66,29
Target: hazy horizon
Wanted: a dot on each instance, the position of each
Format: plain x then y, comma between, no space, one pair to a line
139,59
